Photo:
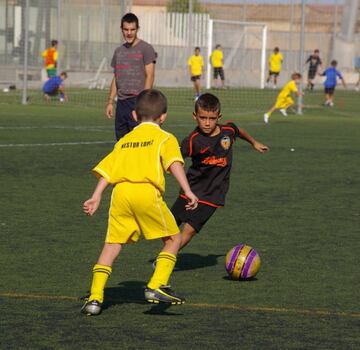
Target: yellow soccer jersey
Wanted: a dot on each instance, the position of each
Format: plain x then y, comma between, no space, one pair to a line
217,58
275,61
196,63
288,89
141,156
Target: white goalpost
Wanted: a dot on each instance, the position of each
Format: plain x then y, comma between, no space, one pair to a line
244,44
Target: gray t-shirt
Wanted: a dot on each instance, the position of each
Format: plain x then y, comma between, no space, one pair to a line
129,68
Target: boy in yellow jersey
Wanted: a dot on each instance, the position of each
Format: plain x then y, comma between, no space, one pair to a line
217,57
284,100
135,168
275,62
196,64
50,57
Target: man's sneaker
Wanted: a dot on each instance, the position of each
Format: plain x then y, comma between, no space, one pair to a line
266,118
91,308
283,112
163,294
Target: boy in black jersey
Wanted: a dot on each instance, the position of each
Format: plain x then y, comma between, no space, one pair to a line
210,149
314,64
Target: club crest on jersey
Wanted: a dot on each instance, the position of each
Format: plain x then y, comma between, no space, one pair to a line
225,142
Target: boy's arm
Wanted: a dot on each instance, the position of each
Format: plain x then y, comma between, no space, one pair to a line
176,168
257,145
92,204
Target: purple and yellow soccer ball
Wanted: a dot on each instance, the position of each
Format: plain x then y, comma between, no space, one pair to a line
242,262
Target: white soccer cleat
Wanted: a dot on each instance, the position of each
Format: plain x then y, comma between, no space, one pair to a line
266,118
331,104
283,112
357,88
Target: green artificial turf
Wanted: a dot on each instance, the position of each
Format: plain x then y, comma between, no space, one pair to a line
299,209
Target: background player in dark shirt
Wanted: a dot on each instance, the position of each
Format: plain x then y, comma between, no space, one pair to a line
314,64
210,148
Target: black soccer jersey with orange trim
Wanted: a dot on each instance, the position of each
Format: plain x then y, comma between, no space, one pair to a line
209,173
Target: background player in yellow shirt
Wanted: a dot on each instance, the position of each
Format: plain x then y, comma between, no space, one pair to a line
135,168
275,62
196,64
50,57
217,57
284,100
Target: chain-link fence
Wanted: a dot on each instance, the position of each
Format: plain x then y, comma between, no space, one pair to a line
88,31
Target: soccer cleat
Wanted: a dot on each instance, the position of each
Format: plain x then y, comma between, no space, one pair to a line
163,294
283,112
266,118
331,104
91,308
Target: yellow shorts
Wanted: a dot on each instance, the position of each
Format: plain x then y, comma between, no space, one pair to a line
284,102
135,209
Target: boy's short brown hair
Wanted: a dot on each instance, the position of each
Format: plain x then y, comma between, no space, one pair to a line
208,102
150,105
64,74
296,75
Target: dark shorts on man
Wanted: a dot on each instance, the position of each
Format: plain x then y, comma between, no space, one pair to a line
196,218
124,121
311,74
195,77
275,74
219,71
330,90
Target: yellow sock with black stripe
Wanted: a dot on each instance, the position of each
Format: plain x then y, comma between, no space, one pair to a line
165,264
101,273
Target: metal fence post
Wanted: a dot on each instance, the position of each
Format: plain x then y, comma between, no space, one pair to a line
301,56
26,54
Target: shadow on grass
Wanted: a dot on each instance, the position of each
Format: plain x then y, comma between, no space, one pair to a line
132,292
252,279
192,261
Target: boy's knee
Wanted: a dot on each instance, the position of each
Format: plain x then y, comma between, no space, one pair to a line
174,239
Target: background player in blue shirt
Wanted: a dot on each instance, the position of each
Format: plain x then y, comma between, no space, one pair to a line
55,86
331,74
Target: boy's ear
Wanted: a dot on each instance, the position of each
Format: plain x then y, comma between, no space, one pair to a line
194,115
162,118
134,115
220,116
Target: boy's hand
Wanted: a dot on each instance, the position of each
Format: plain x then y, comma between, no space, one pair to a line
260,147
91,205
192,201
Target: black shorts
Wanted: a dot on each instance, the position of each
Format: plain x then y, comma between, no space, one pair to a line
311,74
275,74
329,91
219,71
124,121
197,218
195,77
54,92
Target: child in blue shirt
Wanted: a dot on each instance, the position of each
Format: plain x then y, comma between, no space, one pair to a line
331,74
55,86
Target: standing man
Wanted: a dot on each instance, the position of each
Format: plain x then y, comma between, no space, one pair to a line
196,64
50,57
134,68
217,57
275,62
314,64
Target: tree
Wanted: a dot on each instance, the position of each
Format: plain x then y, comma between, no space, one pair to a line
184,6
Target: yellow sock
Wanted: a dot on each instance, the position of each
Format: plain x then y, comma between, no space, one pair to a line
101,274
165,263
